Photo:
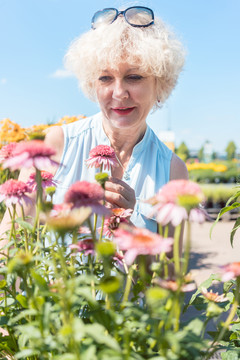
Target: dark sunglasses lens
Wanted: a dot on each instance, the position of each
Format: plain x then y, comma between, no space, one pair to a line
139,16
105,16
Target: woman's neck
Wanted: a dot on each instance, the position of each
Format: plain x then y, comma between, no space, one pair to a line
123,142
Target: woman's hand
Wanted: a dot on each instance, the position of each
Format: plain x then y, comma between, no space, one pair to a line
119,194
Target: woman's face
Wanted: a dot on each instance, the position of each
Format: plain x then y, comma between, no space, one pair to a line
125,96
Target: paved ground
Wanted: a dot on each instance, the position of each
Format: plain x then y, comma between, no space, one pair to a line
208,254
206,257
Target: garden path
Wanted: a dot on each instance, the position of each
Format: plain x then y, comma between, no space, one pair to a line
208,254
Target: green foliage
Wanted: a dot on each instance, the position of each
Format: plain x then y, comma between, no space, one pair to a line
218,195
231,150
64,304
183,151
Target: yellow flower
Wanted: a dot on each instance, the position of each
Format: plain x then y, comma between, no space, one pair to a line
208,166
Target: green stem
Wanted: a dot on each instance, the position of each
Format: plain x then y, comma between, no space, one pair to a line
128,286
101,232
187,249
92,231
12,230
95,223
90,262
176,255
25,231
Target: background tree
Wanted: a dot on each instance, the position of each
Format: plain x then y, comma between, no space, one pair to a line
231,150
183,151
201,154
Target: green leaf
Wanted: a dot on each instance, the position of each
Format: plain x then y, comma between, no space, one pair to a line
25,353
22,300
205,284
89,354
223,211
25,225
3,320
40,281
98,333
3,283
230,355
235,228
9,301
23,314
67,356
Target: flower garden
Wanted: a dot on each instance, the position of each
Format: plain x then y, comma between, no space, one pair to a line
78,281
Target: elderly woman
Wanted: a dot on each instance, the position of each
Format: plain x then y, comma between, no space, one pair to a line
129,62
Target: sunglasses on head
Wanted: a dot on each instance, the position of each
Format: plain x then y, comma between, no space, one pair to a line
137,16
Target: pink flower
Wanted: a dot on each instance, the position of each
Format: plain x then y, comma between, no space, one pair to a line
102,155
198,215
31,153
136,241
84,193
67,220
61,209
177,200
14,192
84,230
85,246
173,286
170,213
119,215
47,180
211,296
231,271
6,151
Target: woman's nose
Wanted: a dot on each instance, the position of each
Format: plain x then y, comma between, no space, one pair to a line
120,90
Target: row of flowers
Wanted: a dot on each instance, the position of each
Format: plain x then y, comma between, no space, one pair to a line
13,132
87,287
206,166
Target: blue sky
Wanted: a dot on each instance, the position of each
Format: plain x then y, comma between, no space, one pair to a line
34,89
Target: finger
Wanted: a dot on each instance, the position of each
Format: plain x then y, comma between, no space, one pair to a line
116,200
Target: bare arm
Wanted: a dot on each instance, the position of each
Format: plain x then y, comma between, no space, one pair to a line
178,169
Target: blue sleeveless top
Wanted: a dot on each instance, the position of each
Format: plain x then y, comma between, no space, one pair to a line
147,171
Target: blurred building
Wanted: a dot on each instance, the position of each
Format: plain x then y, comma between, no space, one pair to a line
207,152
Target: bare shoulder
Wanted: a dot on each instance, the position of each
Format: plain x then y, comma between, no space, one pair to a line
178,168
55,138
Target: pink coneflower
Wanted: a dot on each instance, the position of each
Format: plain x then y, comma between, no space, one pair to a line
211,296
231,271
119,215
84,193
6,151
102,156
47,180
63,222
14,192
173,286
85,246
136,241
177,200
84,230
28,154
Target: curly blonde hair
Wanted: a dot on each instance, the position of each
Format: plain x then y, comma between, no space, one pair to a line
154,49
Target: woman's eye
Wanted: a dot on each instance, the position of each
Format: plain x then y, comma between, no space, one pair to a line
135,77
104,78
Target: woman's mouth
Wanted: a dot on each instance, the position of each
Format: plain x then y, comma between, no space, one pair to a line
123,111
